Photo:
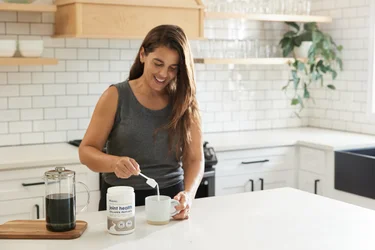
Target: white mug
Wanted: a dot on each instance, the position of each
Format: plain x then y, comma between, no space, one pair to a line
159,212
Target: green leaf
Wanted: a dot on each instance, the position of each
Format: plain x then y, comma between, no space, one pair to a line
294,101
334,74
293,25
339,48
306,93
285,41
300,101
301,66
339,61
330,86
317,36
310,26
288,48
290,34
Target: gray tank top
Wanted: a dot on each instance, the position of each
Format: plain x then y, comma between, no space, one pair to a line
132,136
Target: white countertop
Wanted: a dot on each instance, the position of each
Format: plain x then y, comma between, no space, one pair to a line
279,219
63,153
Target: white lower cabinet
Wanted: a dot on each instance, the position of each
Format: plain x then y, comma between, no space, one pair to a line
311,182
254,182
23,209
253,170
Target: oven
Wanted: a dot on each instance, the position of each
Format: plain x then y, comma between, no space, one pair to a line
207,185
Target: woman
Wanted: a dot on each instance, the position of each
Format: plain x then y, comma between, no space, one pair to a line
151,124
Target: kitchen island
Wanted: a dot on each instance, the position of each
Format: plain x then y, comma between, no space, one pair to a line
278,219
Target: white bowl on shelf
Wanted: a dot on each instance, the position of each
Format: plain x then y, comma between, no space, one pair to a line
8,48
31,48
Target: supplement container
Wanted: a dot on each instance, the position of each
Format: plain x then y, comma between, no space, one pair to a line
121,210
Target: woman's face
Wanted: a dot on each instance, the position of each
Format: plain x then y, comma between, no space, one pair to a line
160,67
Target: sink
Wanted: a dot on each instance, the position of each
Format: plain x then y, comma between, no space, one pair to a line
355,171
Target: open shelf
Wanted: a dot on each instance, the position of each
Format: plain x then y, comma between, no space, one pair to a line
14,61
269,17
27,7
254,61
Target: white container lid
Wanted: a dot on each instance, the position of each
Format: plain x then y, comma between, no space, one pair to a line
120,189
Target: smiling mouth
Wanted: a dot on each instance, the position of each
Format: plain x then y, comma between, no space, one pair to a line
161,81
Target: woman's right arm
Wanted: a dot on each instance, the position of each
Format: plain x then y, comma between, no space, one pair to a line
90,149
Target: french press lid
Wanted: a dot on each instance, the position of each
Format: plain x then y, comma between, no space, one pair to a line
59,172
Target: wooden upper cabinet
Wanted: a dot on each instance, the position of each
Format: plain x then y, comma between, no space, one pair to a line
129,19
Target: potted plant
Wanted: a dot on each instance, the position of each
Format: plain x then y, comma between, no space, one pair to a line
314,55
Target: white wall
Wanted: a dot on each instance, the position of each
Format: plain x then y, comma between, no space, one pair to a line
346,108
45,104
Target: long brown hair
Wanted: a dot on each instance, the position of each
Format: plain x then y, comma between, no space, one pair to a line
182,91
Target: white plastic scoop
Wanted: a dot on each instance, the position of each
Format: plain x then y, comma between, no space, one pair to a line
151,182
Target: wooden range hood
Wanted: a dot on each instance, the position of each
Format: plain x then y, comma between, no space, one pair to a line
127,19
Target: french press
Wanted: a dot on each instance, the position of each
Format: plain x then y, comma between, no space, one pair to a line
60,204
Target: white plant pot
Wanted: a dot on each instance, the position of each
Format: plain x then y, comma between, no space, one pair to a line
303,50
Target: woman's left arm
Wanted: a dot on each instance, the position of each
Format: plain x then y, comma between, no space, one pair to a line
193,165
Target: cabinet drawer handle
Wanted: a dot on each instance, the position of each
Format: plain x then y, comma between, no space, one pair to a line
316,186
32,184
252,162
261,183
37,211
252,185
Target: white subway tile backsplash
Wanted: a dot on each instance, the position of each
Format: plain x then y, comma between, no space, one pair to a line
66,77
67,124
42,29
50,42
74,134
119,44
19,102
54,89
48,17
86,101
19,78
46,125
3,78
76,65
128,54
118,65
31,114
88,77
6,16
97,88
66,54
66,101
98,66
83,123
31,90
60,66
2,28
29,17
98,43
44,102
10,139
265,124
78,112
9,69
17,28
43,77
51,137
6,90
109,54
4,127
9,115
109,77
32,138
20,127
77,89
88,54
3,103
223,116
54,113
76,43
